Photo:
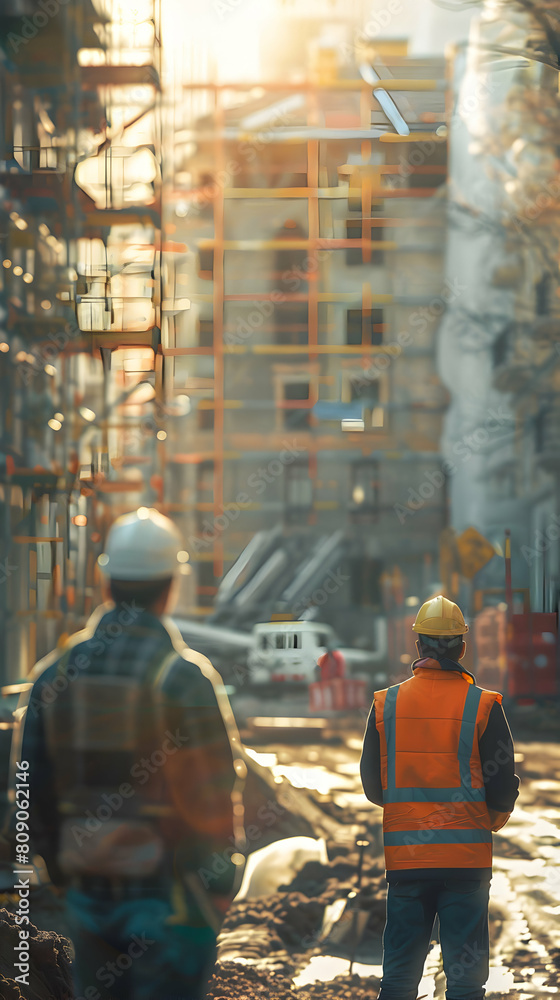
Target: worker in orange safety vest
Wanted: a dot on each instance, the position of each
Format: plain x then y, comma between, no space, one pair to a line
331,664
438,757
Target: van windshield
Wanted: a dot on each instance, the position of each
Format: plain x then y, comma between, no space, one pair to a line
292,640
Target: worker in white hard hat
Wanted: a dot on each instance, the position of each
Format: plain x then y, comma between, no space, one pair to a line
438,758
134,770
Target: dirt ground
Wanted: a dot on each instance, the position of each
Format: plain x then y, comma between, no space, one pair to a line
273,946
266,943
252,984
49,963
276,936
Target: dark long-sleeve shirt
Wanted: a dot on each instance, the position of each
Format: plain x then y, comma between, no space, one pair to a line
500,782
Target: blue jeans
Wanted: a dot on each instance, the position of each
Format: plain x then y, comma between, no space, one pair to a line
462,907
126,950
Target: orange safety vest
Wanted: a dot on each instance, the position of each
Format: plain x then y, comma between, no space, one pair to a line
434,804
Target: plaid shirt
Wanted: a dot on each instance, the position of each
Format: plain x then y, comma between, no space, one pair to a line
126,641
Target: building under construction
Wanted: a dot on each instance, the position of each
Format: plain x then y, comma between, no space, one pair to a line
286,271
225,299
262,367
315,288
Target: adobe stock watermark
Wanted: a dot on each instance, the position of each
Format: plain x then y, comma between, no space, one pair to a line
471,955
543,540
30,26
293,278
258,482
225,7
465,449
98,644
551,880
331,584
268,814
48,351
248,151
109,973
533,208
447,814
418,323
379,21
422,151
112,802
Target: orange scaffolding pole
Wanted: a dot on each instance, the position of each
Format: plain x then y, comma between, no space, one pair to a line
314,86
218,325
313,224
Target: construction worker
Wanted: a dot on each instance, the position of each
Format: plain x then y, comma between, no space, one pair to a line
134,767
438,757
331,664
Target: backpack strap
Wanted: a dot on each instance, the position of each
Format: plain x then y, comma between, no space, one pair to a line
154,675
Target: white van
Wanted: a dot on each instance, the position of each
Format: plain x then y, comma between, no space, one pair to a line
287,652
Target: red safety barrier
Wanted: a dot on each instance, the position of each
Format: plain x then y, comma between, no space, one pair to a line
532,655
339,694
489,634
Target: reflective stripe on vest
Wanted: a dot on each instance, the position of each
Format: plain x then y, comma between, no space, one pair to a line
405,837
466,738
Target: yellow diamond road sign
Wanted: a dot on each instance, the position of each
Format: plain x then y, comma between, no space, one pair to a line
474,552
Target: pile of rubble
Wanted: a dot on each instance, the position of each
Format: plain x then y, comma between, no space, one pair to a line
233,981
266,941
49,963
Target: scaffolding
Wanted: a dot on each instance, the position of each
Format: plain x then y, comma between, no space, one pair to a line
319,155
80,166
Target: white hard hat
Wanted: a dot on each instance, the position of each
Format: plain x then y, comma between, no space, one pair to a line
143,545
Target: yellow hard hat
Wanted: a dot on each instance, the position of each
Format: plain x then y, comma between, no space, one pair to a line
440,617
